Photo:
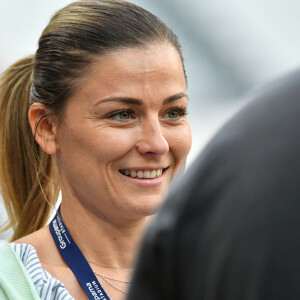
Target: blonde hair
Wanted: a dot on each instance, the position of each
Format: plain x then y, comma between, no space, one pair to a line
29,181
68,47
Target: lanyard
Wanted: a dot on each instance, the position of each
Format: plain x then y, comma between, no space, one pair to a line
74,258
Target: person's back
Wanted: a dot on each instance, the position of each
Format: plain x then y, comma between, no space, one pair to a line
230,230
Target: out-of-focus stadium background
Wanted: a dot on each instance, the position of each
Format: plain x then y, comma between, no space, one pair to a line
229,47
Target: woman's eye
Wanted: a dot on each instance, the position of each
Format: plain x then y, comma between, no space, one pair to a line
173,114
122,115
176,113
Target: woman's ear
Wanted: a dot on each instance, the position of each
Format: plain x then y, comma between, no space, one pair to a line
44,127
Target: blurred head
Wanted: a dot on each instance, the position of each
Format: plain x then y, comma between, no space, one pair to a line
108,99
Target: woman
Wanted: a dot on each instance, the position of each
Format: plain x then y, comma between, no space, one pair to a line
106,92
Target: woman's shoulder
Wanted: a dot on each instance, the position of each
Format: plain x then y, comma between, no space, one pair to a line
42,243
50,262
46,285
33,252
40,240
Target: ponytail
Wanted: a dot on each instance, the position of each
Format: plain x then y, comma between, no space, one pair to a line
28,176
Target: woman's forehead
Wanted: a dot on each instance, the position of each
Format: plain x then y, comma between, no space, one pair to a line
134,59
134,72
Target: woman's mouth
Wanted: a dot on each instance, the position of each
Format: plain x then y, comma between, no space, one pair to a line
146,174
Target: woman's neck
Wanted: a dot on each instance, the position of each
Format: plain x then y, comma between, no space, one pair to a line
101,240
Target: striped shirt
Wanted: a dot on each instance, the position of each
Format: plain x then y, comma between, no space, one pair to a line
47,286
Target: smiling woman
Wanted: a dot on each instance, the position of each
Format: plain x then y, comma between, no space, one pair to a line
100,111
128,119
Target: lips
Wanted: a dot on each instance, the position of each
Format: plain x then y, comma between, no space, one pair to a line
147,174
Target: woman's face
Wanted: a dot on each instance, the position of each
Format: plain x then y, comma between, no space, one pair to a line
125,134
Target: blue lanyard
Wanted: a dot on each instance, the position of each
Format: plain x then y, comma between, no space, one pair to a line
74,258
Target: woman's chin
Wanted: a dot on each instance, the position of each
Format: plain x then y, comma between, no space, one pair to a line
149,206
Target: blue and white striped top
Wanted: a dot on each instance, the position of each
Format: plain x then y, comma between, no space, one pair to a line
47,286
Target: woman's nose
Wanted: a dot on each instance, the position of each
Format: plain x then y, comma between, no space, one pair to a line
151,140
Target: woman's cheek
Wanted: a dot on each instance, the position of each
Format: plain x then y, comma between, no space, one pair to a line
180,145
184,141
116,142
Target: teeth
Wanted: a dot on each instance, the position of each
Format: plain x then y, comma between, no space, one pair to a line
153,174
132,173
143,174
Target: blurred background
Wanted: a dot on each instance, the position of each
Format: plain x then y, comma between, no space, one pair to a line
229,47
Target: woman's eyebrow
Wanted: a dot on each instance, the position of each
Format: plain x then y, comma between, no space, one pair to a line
175,97
125,100
134,101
